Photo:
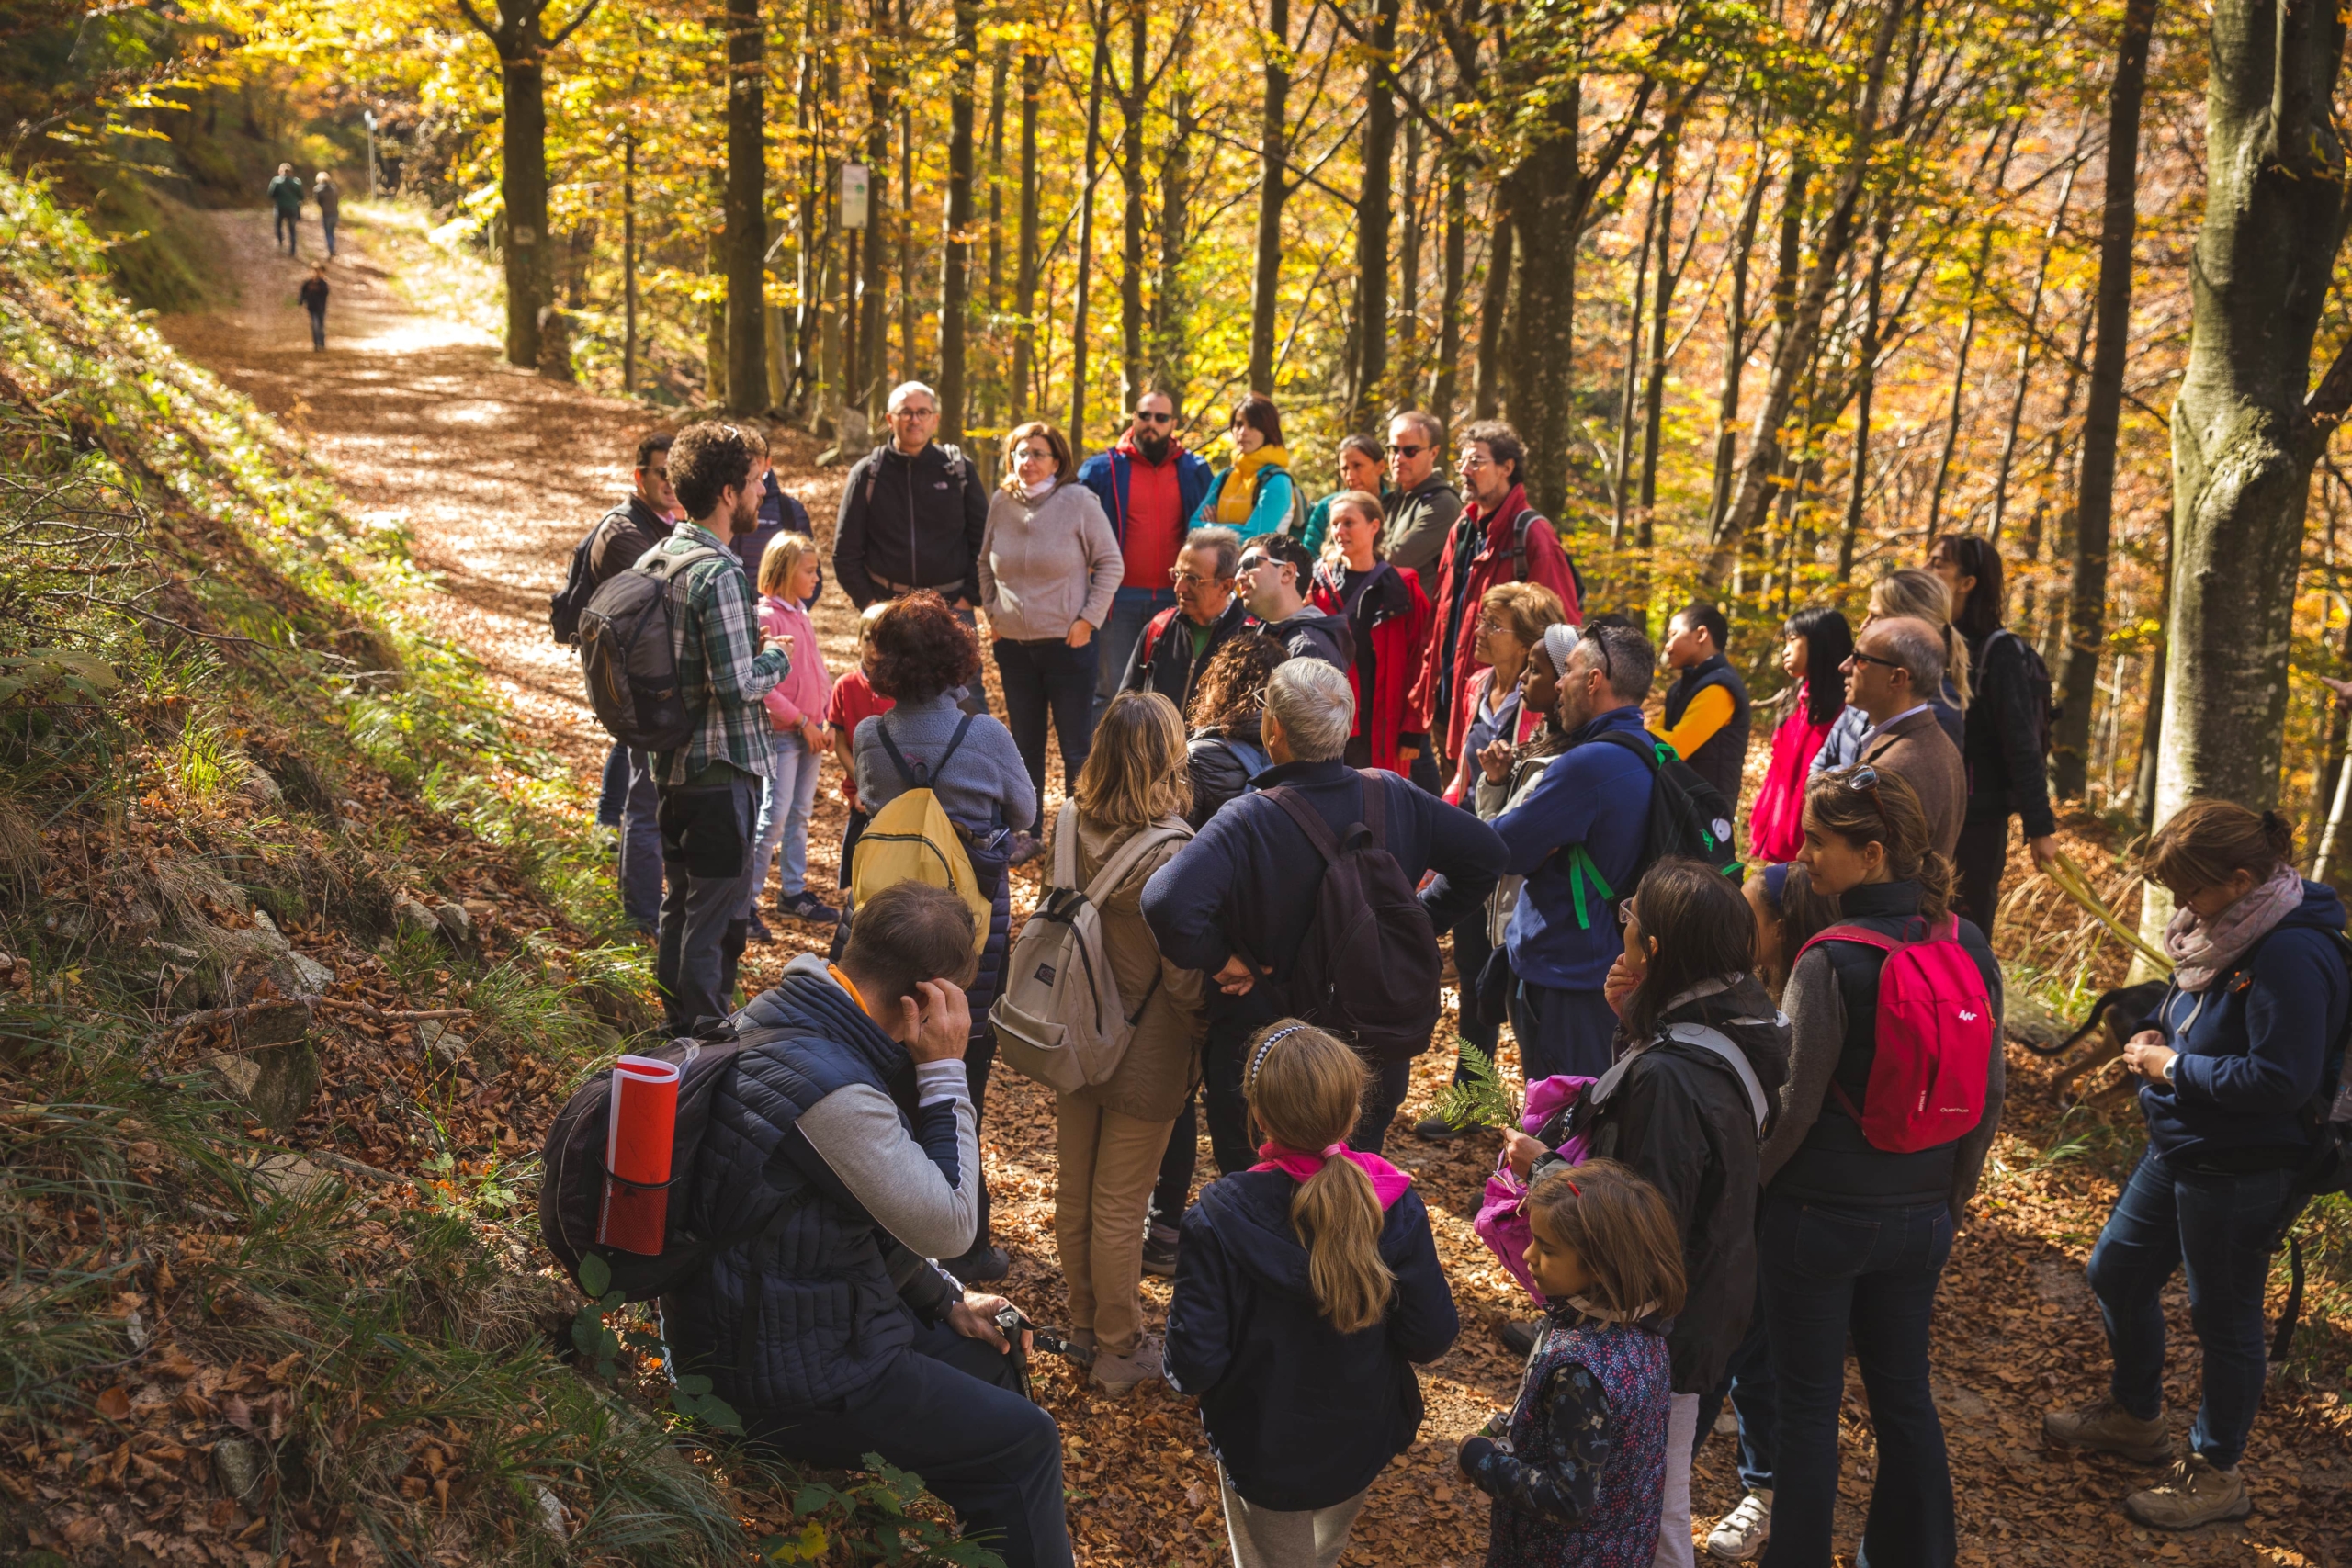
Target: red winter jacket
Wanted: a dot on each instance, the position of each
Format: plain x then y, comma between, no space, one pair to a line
1391,625
1451,658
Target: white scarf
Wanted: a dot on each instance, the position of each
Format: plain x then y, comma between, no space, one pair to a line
1042,488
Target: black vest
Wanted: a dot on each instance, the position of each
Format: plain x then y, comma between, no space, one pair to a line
1723,755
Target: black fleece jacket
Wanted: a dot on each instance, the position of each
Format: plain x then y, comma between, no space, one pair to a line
2002,743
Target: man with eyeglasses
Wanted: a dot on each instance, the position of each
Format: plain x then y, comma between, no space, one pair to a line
914,513
1181,641
1499,538
1894,662
1421,503
1149,487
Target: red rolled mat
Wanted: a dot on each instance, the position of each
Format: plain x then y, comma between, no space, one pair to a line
637,1155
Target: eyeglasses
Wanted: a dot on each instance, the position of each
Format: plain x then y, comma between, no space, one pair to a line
1625,915
1398,449
1042,454
911,410
1179,578
1144,418
1470,462
1863,780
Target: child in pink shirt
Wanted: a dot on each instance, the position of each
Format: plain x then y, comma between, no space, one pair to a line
796,718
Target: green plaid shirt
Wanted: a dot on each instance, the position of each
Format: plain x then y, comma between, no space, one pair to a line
714,633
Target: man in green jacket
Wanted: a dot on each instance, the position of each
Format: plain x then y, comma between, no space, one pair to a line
286,196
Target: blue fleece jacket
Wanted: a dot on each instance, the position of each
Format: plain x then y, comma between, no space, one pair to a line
1106,474
1597,798
2253,1043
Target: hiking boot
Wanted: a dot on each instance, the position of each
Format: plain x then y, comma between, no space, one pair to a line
756,929
1520,1338
1436,1129
1159,1254
1739,1536
2195,1492
2108,1427
807,906
1120,1373
1025,847
984,1265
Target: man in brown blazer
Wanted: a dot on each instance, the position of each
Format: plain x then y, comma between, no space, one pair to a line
1896,666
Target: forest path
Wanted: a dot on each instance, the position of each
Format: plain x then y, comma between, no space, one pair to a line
496,472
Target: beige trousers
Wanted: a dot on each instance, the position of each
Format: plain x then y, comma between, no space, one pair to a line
1109,1166
1269,1538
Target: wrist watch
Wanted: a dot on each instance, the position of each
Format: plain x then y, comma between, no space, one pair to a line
2170,1062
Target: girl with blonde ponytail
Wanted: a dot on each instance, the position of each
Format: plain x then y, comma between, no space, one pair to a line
1307,1287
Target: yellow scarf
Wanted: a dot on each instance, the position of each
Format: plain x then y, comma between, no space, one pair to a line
1238,497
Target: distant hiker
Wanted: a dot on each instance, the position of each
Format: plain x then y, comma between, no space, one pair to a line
1706,708
1149,487
1359,465
2233,1067
1815,644
329,198
1275,575
1173,653
1892,662
285,197
1254,496
2007,735
710,787
313,296
914,513
1422,502
796,740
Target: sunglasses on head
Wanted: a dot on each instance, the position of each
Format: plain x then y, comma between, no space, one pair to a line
1863,780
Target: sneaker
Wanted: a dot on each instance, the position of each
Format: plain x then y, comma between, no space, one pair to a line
1120,1373
1436,1129
807,906
984,1265
1519,1336
1159,1254
2195,1492
757,929
2108,1427
1739,1536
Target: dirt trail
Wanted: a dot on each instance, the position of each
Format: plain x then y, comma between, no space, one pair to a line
495,473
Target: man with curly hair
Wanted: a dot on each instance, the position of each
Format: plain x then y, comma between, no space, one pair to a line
710,787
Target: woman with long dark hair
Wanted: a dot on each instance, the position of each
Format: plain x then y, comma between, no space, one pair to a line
1254,495
2007,733
1813,644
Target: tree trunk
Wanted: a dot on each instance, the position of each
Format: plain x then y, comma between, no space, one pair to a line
714,314
2095,503
1000,70
2025,356
873,304
747,220
1171,348
1865,383
1101,18
1959,383
1735,345
1408,271
523,189
1494,308
1273,189
954,268
1372,219
1620,498
1024,264
909,354
628,264
2243,436
1449,320
1131,110
1661,305
1794,354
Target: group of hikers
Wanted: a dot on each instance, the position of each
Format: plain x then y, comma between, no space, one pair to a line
285,197
1292,772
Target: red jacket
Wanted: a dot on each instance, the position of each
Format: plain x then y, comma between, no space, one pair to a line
1391,624
1444,692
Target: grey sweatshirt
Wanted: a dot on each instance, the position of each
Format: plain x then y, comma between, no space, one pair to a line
985,773
1047,566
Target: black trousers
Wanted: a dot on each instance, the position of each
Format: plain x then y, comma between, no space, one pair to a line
1980,859
1049,680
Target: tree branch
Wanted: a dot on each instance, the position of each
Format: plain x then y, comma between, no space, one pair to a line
573,25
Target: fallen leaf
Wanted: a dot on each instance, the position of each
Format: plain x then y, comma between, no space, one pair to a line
114,1404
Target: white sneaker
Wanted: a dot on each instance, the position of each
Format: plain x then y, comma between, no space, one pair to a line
1739,1536
1119,1374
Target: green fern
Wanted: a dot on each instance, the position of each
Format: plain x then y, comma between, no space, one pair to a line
1483,1101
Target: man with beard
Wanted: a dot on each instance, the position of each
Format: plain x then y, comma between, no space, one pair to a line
1149,486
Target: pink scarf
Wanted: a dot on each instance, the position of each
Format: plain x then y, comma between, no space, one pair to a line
2202,951
1388,1183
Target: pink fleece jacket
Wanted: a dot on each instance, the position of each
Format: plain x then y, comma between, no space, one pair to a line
802,692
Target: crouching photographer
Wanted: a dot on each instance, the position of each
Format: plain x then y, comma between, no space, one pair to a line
845,1150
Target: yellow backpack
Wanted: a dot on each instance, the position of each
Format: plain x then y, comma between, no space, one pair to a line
912,839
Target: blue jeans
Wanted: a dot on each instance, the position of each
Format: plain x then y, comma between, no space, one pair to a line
1870,1273
1562,1032
1131,610
2217,1228
1044,679
784,821
318,329
948,1411
612,790
326,227
641,867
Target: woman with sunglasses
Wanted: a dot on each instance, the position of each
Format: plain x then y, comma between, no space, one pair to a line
1855,1237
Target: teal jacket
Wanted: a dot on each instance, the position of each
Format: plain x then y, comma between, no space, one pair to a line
286,194
1269,511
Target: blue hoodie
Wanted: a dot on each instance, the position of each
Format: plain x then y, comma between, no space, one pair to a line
2253,1045
1597,798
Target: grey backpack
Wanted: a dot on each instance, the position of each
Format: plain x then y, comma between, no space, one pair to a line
628,659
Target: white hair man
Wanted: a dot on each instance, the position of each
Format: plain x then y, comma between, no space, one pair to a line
1237,903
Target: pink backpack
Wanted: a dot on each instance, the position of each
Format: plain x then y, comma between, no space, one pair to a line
1935,1041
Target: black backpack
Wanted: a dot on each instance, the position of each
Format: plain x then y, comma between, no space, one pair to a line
2037,685
571,1182
1367,969
2327,1117
628,659
565,605
1687,815
1528,518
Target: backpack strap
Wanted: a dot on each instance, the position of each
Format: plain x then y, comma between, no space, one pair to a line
1066,846
953,741
1376,807
1319,832
915,776
1715,1040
